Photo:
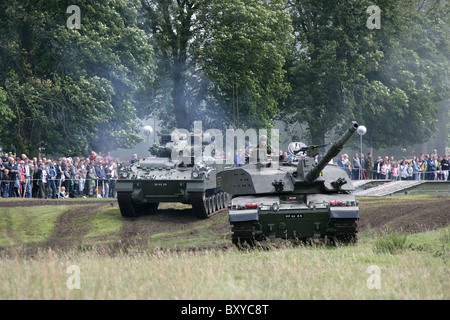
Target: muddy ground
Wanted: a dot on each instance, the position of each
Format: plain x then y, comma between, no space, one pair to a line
179,223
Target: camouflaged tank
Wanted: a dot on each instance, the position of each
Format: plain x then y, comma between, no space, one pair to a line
298,200
162,177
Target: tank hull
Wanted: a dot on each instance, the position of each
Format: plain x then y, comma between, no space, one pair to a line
256,218
151,181
152,191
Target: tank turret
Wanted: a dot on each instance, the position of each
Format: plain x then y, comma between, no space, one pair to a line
303,200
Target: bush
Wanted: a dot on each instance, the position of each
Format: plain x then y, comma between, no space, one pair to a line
390,242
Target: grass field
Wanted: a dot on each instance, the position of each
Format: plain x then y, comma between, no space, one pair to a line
192,259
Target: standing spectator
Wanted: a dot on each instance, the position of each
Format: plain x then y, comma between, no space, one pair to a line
445,167
21,177
6,183
402,169
101,176
431,167
416,168
67,181
395,172
377,168
388,167
409,171
93,156
346,164
36,178
340,163
74,177
383,170
107,179
434,154
368,166
363,163
114,175
439,172
51,181
356,167
42,181
12,169
82,175
59,174
28,175
423,168
90,178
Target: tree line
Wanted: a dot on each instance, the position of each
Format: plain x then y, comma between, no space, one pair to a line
238,63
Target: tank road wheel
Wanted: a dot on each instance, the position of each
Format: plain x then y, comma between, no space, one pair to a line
214,201
225,199
200,204
243,234
211,205
220,200
126,205
206,204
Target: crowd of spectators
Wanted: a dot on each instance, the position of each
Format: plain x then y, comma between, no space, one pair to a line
94,176
424,167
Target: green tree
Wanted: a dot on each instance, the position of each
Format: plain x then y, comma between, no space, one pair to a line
332,53
400,104
218,60
6,114
171,26
388,79
242,50
73,89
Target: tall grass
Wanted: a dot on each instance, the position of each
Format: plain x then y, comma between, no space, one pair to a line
301,272
391,242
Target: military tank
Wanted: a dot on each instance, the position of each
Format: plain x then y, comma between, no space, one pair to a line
298,200
161,177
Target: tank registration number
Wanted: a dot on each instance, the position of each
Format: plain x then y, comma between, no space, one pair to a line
160,184
293,216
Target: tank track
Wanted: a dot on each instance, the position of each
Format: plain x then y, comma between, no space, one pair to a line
126,204
243,233
340,230
204,205
207,204
343,230
129,209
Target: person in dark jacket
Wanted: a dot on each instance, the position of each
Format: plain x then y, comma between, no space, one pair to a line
101,175
51,181
5,184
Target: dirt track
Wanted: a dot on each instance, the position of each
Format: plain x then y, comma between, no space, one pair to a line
408,216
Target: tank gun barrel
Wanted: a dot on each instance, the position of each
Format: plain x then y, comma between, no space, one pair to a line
333,152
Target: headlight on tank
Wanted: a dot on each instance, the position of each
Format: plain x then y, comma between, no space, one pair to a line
195,175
